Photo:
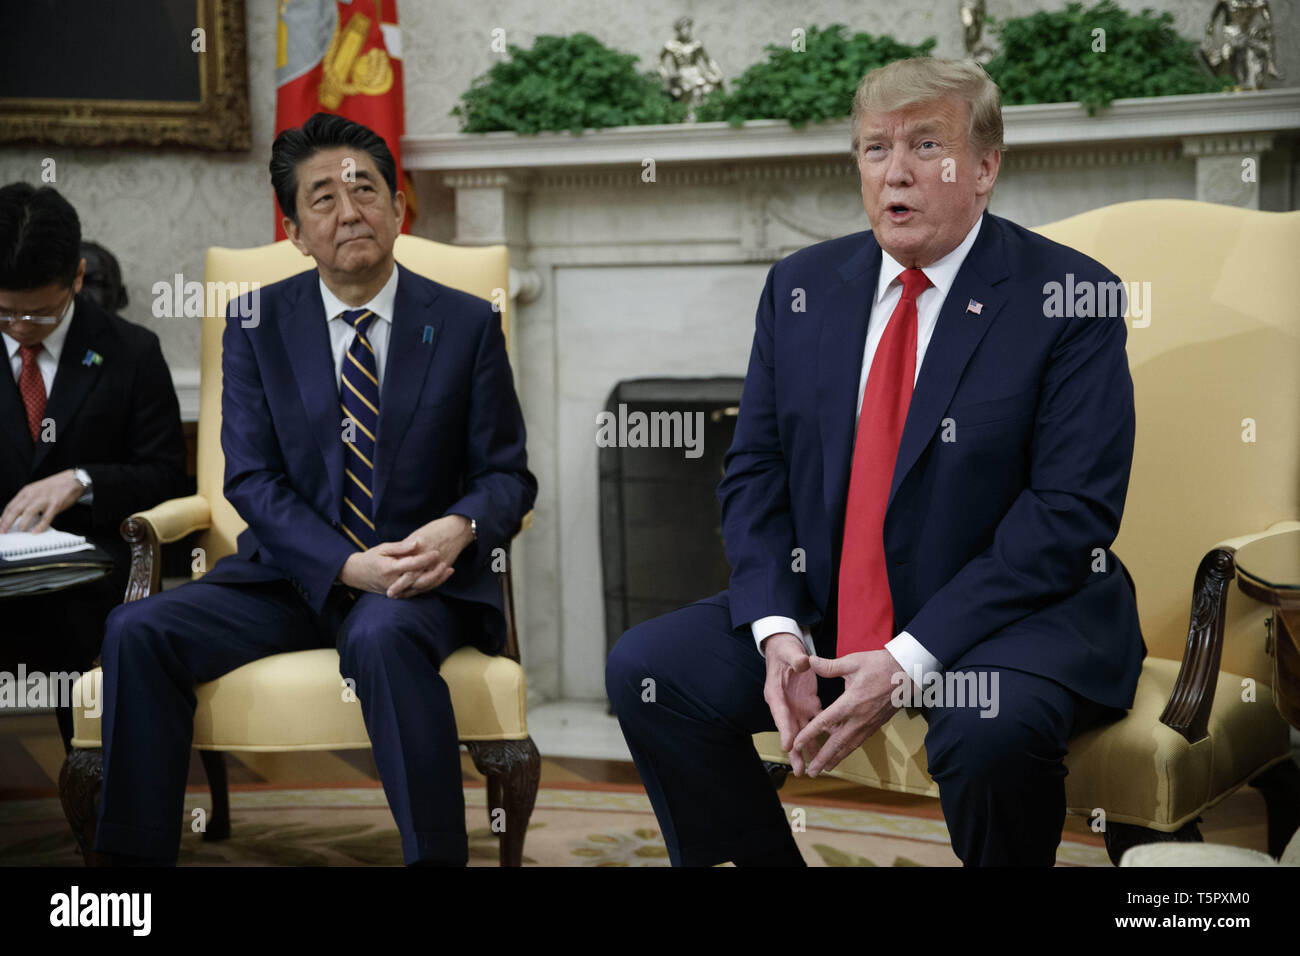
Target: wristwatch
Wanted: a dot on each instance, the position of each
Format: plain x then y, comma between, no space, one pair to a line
473,529
83,476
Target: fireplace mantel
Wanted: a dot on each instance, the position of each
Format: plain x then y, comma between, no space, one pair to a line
1242,117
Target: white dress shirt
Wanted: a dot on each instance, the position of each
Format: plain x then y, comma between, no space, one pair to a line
47,361
911,656
342,334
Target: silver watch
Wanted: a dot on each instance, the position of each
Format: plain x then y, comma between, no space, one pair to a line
473,529
83,476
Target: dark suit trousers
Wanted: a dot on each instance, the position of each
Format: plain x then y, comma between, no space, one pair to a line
1001,780
156,650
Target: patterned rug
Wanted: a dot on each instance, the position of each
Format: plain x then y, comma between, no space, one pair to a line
599,825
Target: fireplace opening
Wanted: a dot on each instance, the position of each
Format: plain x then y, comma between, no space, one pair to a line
661,444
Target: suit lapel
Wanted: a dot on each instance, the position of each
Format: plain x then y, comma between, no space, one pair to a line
405,370
74,377
305,332
955,336
843,340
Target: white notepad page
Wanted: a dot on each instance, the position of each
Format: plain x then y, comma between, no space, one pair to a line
20,545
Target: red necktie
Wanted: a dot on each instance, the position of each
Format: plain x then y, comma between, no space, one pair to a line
32,387
866,611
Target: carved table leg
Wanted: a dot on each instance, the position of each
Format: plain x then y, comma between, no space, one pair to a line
79,783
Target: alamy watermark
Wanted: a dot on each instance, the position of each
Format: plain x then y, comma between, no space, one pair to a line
1101,300
639,429
949,689
57,689
194,300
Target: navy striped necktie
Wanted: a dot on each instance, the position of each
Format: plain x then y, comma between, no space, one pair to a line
359,393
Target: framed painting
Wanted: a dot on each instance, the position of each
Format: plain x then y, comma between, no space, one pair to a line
142,73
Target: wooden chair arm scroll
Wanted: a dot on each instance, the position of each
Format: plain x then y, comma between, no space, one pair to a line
147,531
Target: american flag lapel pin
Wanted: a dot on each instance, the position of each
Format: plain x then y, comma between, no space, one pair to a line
975,307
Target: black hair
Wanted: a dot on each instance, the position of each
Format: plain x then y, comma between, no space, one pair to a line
103,279
323,131
40,238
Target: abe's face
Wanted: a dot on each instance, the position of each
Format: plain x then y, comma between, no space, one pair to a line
347,219
923,186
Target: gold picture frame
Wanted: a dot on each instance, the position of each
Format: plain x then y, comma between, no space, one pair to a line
218,120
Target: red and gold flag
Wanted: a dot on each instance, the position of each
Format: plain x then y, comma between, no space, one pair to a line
344,57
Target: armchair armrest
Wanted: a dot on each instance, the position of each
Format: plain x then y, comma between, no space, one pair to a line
1190,702
147,531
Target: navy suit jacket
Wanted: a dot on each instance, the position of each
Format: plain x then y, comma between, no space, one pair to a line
450,440
989,538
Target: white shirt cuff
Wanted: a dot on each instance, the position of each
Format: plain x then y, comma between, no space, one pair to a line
765,627
914,660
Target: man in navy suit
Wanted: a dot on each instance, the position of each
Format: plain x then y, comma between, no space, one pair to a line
929,467
374,445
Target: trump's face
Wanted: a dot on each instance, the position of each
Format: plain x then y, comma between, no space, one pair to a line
347,219
923,186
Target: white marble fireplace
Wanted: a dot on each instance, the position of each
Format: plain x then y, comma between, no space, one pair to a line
615,276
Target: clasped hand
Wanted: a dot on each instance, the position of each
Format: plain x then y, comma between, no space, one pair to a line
419,562
791,694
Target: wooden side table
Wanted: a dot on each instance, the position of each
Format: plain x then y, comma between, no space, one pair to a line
1269,571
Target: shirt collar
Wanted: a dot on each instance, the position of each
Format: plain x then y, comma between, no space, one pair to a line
381,304
54,341
941,273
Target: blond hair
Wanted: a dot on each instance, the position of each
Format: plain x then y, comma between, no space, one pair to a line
904,83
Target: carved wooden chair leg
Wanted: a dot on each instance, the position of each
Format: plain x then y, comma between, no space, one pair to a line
517,767
79,783
1121,836
1279,785
214,765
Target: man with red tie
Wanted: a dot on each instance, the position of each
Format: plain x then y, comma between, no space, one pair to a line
90,429
928,470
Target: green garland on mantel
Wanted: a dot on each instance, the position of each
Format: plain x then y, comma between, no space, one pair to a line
1050,58
575,82
570,82
810,85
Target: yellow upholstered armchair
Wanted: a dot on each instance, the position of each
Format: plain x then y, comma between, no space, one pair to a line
290,701
1217,344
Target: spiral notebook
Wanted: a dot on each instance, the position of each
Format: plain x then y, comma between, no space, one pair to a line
21,546
40,563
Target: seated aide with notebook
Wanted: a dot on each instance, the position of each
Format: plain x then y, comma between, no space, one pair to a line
90,432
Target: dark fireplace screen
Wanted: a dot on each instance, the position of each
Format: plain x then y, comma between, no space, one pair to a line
660,447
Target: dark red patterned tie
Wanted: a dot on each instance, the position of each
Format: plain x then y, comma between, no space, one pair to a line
32,388
866,611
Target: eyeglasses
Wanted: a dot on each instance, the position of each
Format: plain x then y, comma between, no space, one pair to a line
7,317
